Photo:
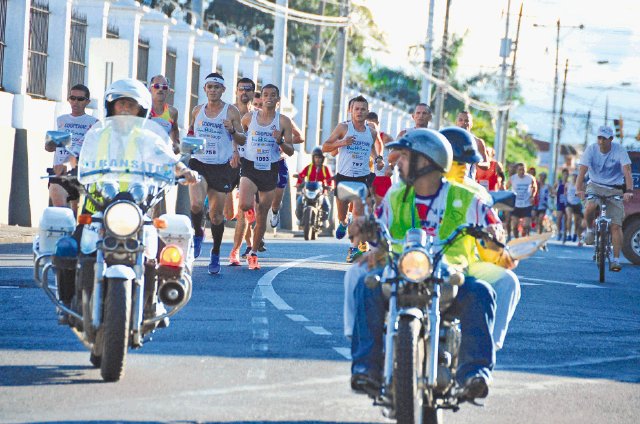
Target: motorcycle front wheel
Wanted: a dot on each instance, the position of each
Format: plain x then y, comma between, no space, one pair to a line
308,218
115,328
409,374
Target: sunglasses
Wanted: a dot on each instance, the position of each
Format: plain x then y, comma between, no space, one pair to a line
245,88
160,86
78,98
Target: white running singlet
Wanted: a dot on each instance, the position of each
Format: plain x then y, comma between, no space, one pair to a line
218,147
523,189
353,160
78,127
261,147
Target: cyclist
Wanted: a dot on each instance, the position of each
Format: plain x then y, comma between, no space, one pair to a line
316,171
609,169
423,157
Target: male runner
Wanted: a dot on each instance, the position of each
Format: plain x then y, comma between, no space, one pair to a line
62,192
421,117
219,123
465,120
163,113
525,187
355,142
268,134
382,180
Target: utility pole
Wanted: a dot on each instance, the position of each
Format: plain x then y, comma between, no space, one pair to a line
560,124
586,129
505,50
341,59
196,8
443,70
606,110
280,45
315,58
552,140
425,91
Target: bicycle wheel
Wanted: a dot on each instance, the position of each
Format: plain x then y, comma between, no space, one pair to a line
601,256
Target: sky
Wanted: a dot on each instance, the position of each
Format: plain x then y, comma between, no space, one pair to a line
610,34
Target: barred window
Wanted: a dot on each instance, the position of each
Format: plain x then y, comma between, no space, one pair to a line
77,49
195,83
143,60
38,43
3,25
170,72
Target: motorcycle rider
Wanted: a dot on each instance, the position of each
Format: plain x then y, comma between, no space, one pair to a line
315,171
490,267
425,198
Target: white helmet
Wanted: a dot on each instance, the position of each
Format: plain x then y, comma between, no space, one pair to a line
128,88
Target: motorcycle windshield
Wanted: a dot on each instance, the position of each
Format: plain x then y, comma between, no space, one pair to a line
126,149
313,185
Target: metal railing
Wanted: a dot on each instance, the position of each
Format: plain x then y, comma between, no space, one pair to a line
195,84
3,26
38,52
77,48
142,73
170,72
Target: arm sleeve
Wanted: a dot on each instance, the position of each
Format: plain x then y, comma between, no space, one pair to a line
586,157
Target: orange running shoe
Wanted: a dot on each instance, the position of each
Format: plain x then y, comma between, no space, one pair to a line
234,258
253,262
250,215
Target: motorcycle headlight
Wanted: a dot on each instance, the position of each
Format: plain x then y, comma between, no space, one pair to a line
415,266
122,219
138,192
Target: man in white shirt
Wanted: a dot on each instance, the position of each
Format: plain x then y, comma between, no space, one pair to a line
525,187
609,169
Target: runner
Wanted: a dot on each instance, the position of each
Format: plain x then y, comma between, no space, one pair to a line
524,185
257,100
421,117
219,123
465,120
492,178
574,211
62,192
384,170
543,202
268,134
163,113
560,192
355,142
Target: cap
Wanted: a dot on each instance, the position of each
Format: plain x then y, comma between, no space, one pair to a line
604,131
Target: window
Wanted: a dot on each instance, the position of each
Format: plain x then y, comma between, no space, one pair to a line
170,72
77,49
113,31
195,84
142,73
3,23
38,43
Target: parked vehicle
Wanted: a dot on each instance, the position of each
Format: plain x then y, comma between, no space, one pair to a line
110,285
631,223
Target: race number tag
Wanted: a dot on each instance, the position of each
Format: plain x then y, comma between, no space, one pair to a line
263,160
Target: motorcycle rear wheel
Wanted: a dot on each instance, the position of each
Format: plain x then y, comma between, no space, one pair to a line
115,328
409,372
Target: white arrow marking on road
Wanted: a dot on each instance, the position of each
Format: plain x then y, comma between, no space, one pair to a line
320,331
530,284
344,351
297,318
265,288
565,283
569,363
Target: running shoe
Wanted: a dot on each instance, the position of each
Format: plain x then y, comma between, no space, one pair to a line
250,216
341,231
262,247
575,238
253,262
197,245
615,266
589,237
246,252
214,264
353,254
363,247
275,218
234,258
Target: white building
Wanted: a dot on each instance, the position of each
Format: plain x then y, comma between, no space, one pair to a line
46,46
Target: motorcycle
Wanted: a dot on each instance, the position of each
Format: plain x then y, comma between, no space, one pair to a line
421,339
312,214
110,285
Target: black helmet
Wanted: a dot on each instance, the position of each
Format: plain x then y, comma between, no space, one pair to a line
317,151
463,145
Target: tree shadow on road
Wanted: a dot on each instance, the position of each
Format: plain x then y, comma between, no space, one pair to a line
44,375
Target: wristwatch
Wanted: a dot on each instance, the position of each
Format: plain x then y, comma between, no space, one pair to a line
280,142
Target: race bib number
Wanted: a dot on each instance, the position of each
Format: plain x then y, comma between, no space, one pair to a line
262,162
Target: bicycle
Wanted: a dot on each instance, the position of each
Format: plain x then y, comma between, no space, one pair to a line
603,246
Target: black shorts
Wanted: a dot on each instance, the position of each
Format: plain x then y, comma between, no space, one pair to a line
522,212
264,180
218,177
283,173
575,209
68,186
235,179
364,179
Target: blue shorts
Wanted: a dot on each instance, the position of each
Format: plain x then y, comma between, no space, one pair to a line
283,173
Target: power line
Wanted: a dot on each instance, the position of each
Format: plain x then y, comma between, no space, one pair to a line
296,15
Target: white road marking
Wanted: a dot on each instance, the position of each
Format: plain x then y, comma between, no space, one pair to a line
344,351
529,284
579,363
297,317
565,283
320,331
9,287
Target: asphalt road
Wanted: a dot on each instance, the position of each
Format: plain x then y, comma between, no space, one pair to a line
267,346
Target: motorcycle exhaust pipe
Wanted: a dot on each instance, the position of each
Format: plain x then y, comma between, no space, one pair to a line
172,293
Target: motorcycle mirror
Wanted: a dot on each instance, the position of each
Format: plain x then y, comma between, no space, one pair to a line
55,139
348,191
504,200
192,145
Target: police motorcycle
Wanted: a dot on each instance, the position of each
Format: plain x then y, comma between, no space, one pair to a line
421,340
109,285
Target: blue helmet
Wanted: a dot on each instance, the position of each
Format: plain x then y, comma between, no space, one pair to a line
463,145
